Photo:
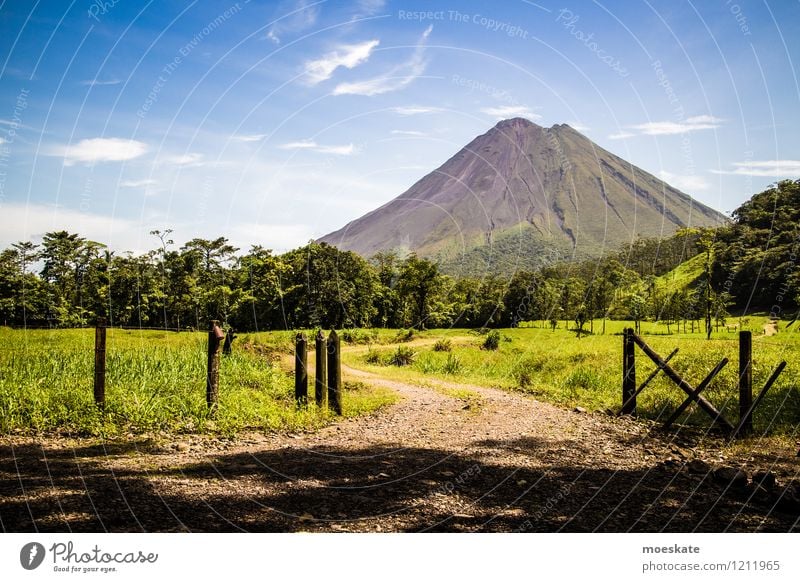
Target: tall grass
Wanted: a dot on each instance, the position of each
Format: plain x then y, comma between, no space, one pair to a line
155,381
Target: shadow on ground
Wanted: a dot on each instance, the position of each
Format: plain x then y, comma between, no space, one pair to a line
128,488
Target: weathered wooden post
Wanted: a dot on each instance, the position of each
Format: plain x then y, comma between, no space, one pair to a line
321,377
100,363
301,370
745,382
334,373
628,372
215,336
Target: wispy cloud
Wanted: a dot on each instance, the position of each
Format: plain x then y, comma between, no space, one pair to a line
622,135
311,145
415,110
100,83
696,123
137,183
408,132
100,149
190,159
348,56
506,111
765,169
293,16
396,78
249,138
579,126
368,8
687,183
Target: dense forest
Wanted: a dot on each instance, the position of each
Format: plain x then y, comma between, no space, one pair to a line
68,281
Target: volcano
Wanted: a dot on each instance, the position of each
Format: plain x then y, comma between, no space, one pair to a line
520,196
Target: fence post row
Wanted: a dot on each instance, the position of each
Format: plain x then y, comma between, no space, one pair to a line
215,336
100,363
334,373
321,376
301,370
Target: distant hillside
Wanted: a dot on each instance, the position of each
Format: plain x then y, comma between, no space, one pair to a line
519,195
684,276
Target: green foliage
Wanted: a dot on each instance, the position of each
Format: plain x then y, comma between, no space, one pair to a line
359,336
492,340
373,357
757,256
452,365
402,356
405,335
443,345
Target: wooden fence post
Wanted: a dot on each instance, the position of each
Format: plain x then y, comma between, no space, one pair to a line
215,336
334,373
301,370
321,376
100,363
745,382
628,373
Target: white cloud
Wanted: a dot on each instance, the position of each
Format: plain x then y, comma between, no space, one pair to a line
279,237
191,159
137,183
408,132
579,126
396,78
99,83
507,111
2,141
348,56
621,135
100,149
249,138
415,110
311,145
686,183
695,123
293,16
31,221
765,169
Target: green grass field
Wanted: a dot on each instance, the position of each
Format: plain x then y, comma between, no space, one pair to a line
557,367
156,380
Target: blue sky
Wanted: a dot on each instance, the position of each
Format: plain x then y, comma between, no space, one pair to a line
275,122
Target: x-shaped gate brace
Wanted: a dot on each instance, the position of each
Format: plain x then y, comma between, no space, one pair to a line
692,392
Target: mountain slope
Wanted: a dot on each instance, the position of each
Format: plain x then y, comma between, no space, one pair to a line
544,188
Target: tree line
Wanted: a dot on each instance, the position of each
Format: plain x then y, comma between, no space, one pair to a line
69,281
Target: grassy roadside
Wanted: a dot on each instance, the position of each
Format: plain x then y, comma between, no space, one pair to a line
155,383
557,367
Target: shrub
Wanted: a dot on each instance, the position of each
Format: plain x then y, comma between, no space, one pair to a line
403,356
492,341
373,357
443,345
405,335
452,365
358,336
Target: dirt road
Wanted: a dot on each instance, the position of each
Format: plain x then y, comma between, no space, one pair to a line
445,458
